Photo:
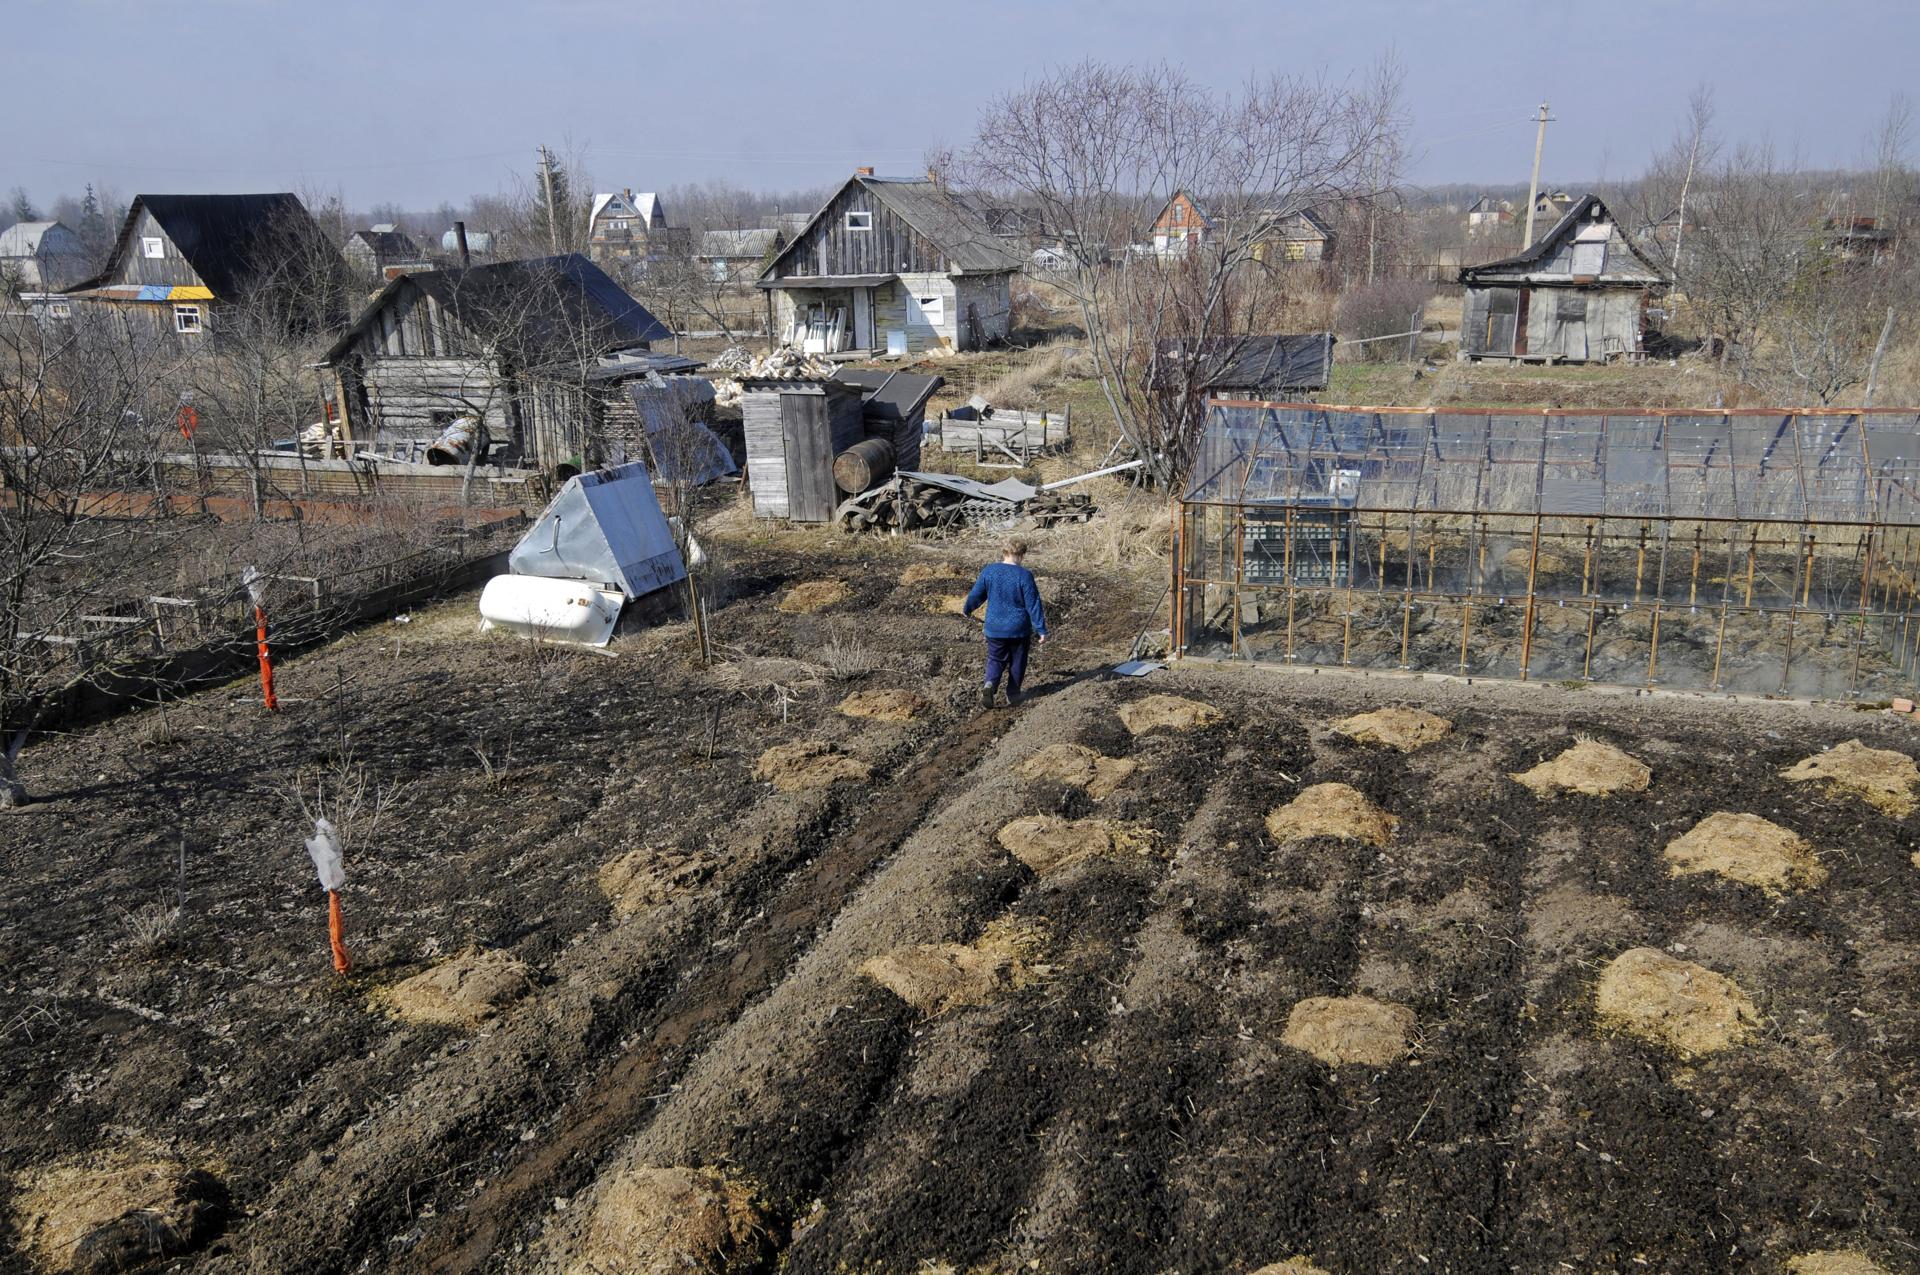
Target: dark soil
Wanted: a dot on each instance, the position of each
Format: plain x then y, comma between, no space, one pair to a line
1132,1109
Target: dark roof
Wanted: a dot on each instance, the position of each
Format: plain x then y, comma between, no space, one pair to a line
890,396
1543,247
229,240
479,296
941,214
389,245
1263,364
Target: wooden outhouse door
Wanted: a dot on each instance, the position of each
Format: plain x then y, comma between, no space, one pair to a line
804,430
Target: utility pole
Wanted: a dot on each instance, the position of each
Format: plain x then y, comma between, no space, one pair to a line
553,222
1533,188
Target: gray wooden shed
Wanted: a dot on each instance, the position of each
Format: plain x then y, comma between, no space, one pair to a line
794,429
1577,295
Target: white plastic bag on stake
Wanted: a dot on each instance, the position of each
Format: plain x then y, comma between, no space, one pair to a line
255,581
324,846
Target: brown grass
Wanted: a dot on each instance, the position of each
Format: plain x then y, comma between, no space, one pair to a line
1590,768
1746,848
1080,767
1349,1029
673,1221
1880,777
1166,712
935,977
464,992
1675,1003
806,764
1049,844
1403,729
1331,810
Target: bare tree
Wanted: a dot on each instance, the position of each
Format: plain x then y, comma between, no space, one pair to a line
76,402
1092,153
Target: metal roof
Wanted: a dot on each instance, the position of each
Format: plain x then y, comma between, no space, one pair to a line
584,300
1253,364
229,240
1540,249
1808,465
890,396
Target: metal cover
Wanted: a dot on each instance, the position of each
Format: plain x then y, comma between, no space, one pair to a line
606,528
1572,496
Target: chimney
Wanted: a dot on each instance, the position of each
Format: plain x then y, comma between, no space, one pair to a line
460,237
863,172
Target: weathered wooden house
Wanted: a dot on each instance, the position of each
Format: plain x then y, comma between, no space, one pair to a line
180,259
384,252
1579,294
40,256
519,346
892,265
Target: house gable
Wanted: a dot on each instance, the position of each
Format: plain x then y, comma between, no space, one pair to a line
858,233
1180,214
1566,254
876,227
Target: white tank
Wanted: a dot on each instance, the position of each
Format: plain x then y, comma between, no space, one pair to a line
548,610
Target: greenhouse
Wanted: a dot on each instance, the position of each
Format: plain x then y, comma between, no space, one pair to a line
1761,552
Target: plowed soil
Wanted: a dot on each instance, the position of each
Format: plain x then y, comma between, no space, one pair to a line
844,1029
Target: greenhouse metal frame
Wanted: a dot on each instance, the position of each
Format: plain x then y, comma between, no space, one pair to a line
1752,551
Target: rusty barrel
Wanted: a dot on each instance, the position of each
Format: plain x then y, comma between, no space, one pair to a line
863,466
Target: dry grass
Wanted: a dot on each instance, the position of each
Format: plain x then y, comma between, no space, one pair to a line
151,929
1028,383
845,657
1672,1002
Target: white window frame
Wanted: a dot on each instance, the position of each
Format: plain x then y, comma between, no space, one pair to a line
189,318
620,224
933,310
153,246
865,221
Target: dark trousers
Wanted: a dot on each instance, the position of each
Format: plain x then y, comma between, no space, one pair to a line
1010,655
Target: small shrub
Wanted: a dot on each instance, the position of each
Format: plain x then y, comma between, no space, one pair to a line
1381,309
845,657
151,929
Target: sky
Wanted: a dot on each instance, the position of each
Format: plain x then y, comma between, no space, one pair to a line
418,101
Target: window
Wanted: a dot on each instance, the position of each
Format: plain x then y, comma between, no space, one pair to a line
151,246
861,220
1590,257
59,309
186,318
933,310
620,225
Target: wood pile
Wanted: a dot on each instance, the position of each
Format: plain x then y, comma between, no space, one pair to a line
737,364
907,504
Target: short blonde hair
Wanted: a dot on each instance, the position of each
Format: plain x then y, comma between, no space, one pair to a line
1016,548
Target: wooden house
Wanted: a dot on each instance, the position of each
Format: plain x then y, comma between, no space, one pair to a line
1579,294
40,256
1179,225
383,252
1487,212
892,265
180,259
517,345
738,256
626,230
1278,233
